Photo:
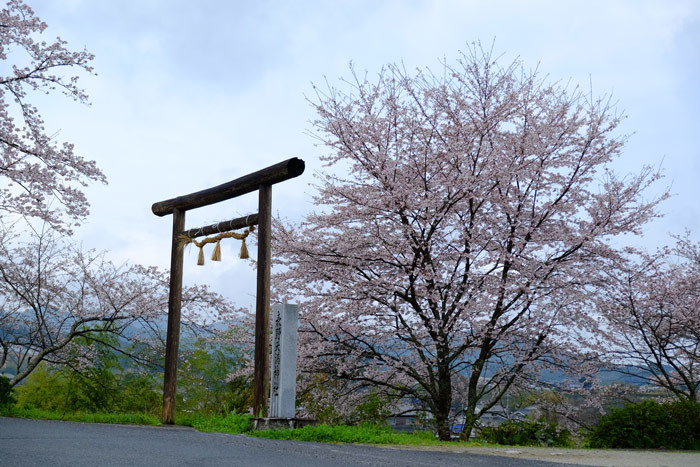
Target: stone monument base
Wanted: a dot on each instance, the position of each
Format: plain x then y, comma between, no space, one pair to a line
270,423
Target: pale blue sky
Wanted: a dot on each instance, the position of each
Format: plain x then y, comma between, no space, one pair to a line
193,94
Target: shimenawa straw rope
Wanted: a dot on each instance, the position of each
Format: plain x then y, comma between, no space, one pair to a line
216,255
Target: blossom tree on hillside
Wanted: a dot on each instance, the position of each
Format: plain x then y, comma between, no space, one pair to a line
651,304
458,224
42,177
52,293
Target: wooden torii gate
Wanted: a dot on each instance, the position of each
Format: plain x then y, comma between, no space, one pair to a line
262,181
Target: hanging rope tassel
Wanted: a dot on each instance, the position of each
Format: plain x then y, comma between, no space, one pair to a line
200,259
244,250
216,256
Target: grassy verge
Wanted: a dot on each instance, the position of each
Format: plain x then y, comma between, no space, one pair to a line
238,423
363,434
232,423
42,414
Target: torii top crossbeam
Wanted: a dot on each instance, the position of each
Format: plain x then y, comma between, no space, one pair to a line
262,181
248,183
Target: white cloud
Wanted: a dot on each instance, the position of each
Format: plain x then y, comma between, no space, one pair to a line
190,95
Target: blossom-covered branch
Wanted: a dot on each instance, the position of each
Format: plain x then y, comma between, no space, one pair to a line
651,304
43,178
52,293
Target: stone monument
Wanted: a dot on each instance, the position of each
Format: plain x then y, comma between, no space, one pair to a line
283,371
283,365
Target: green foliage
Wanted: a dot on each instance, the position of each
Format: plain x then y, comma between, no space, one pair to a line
648,425
141,393
319,399
6,392
114,383
104,386
323,412
67,391
373,410
44,389
204,385
527,433
92,389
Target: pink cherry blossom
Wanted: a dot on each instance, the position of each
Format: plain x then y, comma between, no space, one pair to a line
43,177
651,307
458,224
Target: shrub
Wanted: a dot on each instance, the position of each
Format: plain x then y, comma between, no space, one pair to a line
44,389
6,396
203,382
374,410
649,425
527,433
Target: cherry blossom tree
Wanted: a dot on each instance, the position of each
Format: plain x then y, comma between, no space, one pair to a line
458,222
42,177
52,293
651,304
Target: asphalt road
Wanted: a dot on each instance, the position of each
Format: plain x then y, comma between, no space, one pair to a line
54,443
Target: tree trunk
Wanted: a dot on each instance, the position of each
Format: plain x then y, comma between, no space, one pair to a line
469,421
5,350
443,426
444,402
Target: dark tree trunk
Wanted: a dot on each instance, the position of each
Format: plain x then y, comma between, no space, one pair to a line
444,401
469,421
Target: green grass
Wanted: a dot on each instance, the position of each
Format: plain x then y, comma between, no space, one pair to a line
42,414
232,423
363,434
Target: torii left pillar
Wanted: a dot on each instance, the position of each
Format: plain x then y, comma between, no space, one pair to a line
261,181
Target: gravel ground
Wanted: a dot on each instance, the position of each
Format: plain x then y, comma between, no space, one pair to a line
598,457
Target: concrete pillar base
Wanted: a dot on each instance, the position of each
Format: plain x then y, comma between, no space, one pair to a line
269,423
